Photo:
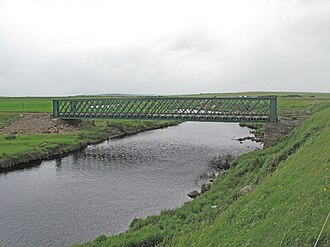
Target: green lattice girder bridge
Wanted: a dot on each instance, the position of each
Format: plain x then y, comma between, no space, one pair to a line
258,110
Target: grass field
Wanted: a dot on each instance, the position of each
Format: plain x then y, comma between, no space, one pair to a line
288,204
256,94
285,100
26,104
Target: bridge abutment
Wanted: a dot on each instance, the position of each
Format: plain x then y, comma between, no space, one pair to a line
283,127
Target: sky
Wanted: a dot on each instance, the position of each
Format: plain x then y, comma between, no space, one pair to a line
73,47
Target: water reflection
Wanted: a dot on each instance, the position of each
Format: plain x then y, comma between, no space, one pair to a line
102,188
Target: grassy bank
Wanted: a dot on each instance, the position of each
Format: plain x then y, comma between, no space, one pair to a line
287,205
20,149
257,129
7,118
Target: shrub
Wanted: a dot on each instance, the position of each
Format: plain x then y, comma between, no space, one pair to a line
221,162
10,137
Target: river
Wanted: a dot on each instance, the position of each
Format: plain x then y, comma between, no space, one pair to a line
104,187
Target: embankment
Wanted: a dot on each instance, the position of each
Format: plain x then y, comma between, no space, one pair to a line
286,204
21,144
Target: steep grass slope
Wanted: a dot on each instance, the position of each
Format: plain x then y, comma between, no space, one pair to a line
287,208
288,204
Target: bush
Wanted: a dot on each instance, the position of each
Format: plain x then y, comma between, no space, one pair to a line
221,162
205,187
10,137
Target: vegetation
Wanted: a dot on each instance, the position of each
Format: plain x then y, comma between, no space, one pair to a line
258,129
221,162
8,117
17,149
287,205
26,104
258,94
133,126
286,100
25,148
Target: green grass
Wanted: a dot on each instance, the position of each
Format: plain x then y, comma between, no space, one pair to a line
287,207
286,100
290,179
26,104
23,143
256,94
257,129
24,148
8,117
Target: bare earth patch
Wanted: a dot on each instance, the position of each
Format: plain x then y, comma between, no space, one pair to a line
39,123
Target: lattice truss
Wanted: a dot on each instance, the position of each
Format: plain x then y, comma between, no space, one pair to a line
188,109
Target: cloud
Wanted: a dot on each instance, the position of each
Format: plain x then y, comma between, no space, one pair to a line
178,47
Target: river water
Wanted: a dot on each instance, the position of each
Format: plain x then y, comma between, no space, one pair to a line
104,187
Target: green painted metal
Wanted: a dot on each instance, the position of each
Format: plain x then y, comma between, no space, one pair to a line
55,108
258,110
273,110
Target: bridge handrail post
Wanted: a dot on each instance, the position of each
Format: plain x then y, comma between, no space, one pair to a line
273,107
55,108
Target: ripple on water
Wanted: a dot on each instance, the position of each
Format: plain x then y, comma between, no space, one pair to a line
102,188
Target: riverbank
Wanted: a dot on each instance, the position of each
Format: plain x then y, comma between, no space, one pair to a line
278,196
32,137
102,188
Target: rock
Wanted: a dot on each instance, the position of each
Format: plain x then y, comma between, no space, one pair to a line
246,189
193,194
258,139
205,188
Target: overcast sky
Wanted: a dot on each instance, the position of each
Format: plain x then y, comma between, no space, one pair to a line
68,47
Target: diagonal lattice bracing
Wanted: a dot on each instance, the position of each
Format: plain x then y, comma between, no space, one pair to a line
260,109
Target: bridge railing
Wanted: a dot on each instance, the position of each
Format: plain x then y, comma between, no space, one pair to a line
259,109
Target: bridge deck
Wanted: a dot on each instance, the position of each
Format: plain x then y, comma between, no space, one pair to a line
260,109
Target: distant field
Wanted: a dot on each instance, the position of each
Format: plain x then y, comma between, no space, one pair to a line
287,100
27,104
256,94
